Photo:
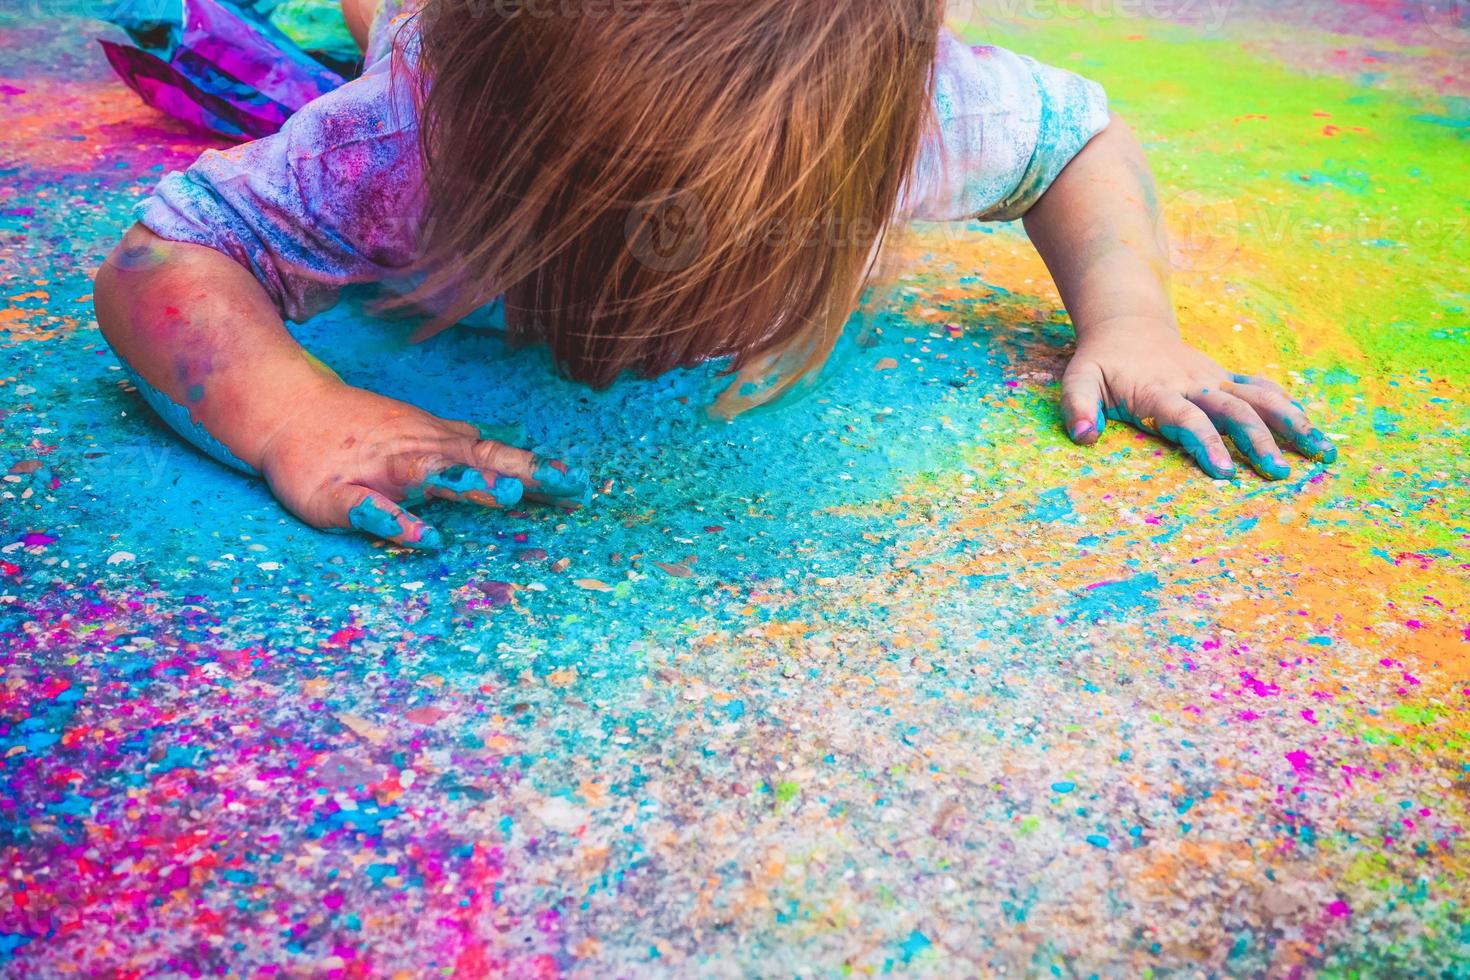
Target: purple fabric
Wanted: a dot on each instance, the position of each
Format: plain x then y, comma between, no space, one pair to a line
265,115
238,48
220,71
164,88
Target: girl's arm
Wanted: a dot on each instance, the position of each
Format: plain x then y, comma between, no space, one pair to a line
205,345
358,15
210,351
1100,232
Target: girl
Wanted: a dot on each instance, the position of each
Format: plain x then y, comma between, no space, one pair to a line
648,184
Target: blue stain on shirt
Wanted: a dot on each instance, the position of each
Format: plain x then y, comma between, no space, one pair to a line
10,942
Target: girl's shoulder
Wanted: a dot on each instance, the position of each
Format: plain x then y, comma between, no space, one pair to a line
379,105
333,198
1004,127
393,28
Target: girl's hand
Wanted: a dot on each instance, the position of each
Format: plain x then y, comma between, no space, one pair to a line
1102,235
1143,374
355,460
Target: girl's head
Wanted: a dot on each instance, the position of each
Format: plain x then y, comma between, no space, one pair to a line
653,183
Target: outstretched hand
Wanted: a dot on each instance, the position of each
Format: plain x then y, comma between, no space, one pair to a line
355,460
1148,377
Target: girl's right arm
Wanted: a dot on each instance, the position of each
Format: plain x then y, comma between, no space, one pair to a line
209,351
205,345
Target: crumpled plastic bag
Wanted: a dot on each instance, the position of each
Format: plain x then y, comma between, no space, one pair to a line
216,66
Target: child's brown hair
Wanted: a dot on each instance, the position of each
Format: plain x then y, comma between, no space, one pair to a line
653,183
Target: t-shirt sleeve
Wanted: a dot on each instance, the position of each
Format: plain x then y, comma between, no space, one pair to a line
334,198
390,16
1004,128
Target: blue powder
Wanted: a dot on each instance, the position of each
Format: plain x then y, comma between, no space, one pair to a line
181,421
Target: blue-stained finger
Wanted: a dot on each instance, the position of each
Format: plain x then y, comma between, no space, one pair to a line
555,479
1270,465
1215,461
1288,420
541,479
1239,421
376,515
465,483
514,434
1185,425
1081,398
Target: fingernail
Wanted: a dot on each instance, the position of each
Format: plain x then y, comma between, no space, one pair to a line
1319,447
1276,467
1222,462
1082,429
508,491
556,479
429,540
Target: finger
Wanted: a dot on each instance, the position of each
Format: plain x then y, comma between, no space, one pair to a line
462,483
439,478
1286,419
1244,427
374,514
1082,405
1264,382
514,434
562,485
543,479
1186,425
1120,412
1259,381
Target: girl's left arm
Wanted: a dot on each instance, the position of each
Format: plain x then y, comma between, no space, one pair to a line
1100,231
